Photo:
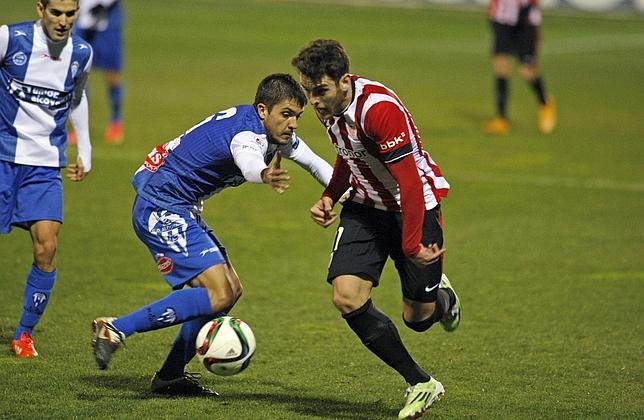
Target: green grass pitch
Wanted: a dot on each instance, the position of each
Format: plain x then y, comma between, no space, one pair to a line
544,233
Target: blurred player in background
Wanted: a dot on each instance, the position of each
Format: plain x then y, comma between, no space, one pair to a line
224,150
392,211
43,71
516,30
101,24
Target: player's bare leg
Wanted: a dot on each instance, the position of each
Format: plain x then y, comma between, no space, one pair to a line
44,236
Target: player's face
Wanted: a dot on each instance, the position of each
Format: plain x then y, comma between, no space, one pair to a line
327,97
58,18
281,121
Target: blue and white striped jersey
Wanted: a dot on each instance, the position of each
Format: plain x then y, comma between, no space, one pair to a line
36,93
224,150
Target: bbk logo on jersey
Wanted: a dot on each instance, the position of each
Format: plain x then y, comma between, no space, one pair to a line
390,144
170,228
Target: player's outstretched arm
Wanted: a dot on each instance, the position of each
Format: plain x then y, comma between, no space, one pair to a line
275,175
322,212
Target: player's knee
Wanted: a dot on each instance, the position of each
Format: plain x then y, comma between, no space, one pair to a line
44,254
527,72
222,299
420,326
345,304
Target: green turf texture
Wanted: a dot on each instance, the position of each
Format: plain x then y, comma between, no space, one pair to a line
544,233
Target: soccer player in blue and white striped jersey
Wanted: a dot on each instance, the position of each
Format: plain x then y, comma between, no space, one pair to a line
224,150
43,72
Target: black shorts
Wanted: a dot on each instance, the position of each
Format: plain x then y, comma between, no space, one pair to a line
520,40
367,236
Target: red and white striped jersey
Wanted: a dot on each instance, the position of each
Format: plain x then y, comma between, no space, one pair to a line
375,131
506,12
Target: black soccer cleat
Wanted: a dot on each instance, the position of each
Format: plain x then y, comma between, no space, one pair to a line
183,386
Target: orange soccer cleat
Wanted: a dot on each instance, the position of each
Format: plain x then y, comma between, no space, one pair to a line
498,126
24,347
114,133
548,116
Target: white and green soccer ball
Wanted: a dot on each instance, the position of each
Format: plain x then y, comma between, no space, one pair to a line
225,345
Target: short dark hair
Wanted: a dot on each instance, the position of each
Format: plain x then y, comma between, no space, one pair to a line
46,2
278,87
322,57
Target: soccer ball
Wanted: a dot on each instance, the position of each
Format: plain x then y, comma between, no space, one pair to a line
225,345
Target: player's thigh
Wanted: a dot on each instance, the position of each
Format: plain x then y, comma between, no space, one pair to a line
108,50
39,196
359,246
44,232
503,39
527,46
420,283
8,194
181,247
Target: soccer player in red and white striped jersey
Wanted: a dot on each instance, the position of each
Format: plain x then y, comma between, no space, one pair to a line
392,210
516,32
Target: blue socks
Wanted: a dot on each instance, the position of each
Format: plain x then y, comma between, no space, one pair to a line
176,308
36,297
183,349
116,100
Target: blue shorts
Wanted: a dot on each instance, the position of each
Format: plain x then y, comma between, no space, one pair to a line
29,194
182,245
107,46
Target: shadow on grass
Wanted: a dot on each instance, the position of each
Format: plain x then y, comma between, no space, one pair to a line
320,407
133,387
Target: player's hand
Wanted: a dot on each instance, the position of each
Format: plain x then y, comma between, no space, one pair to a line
322,212
76,171
276,176
427,255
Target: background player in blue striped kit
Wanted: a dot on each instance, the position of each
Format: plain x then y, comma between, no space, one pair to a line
43,72
100,23
224,150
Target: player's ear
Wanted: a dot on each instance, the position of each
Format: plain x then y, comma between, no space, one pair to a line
345,82
262,111
41,9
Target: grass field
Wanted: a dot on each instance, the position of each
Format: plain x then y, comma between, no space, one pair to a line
544,234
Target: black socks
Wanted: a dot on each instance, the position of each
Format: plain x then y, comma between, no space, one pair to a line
379,334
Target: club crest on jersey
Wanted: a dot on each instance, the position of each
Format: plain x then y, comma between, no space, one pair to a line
164,264
39,298
75,66
19,58
171,229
